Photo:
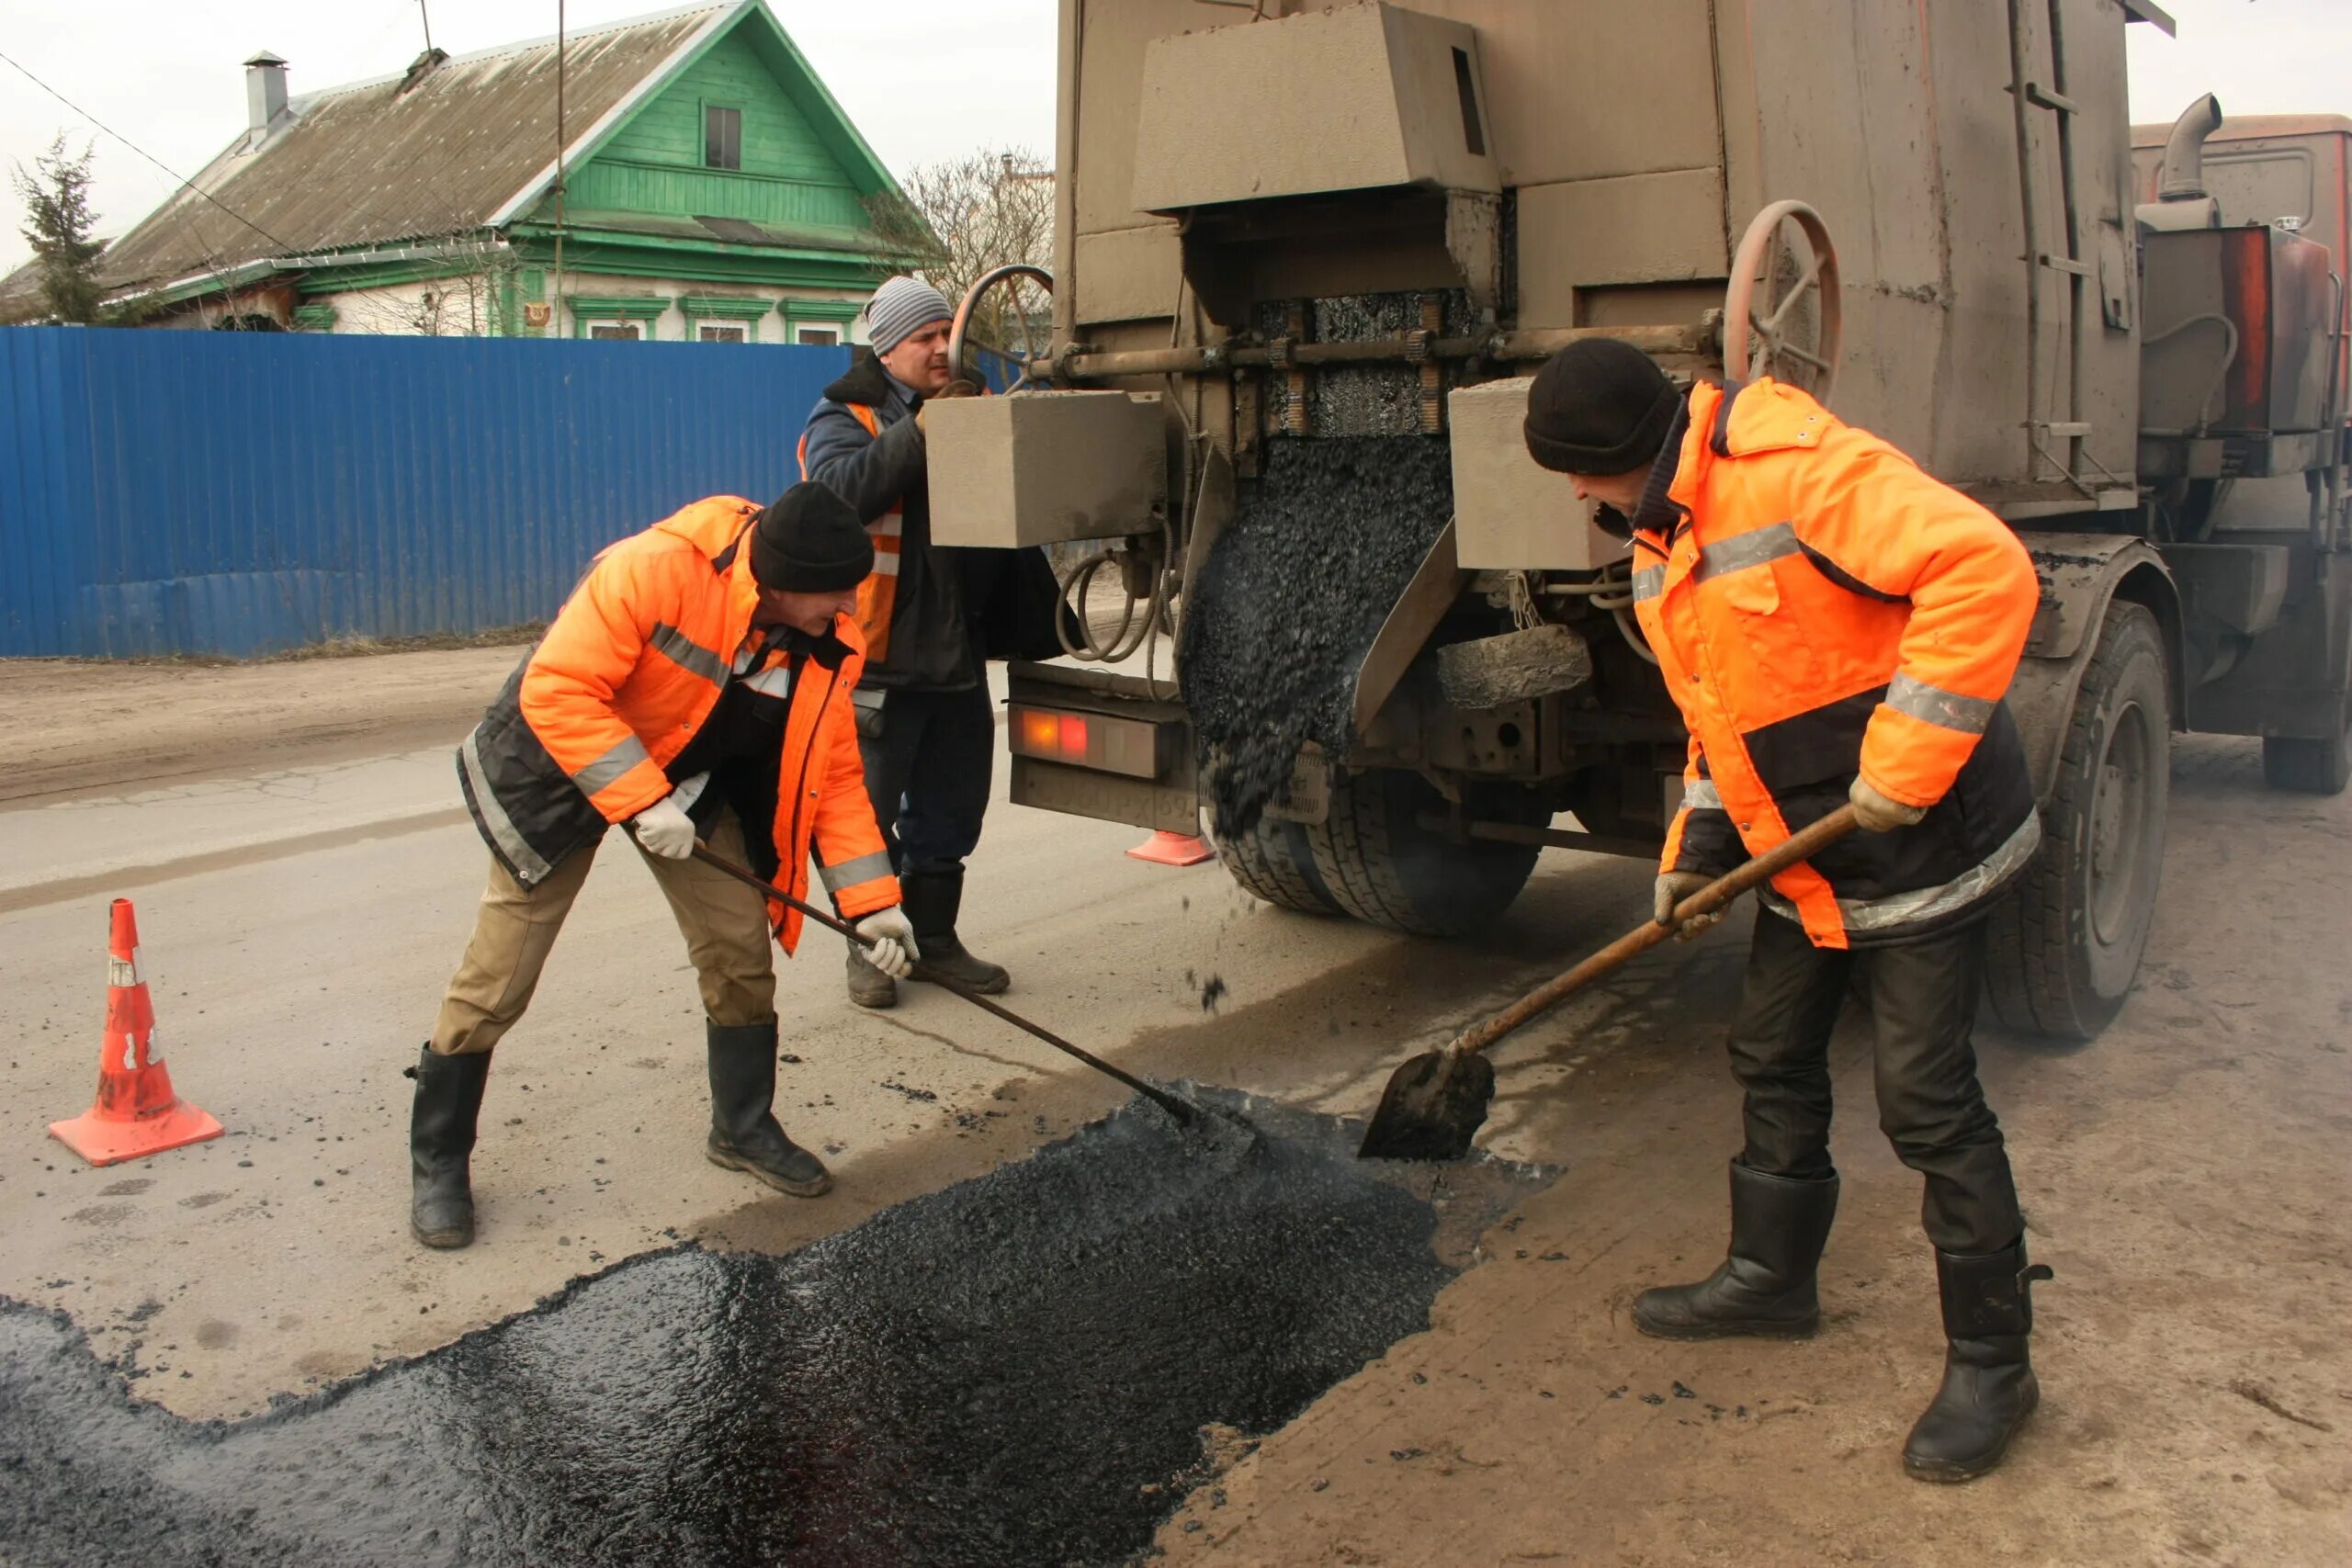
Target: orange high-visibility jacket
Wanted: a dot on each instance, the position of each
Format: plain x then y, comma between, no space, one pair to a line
1819,607
877,596
628,671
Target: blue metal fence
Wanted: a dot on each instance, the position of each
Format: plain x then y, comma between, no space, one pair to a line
239,493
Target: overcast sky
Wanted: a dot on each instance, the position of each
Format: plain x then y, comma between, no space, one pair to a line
923,79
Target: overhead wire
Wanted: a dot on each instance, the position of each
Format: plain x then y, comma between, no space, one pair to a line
184,183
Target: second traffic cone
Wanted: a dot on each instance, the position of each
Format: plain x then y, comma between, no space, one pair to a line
1173,848
136,1112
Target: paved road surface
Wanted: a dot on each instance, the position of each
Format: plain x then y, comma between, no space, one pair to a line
303,883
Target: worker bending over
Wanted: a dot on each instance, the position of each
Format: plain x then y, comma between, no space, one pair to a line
695,683
932,617
1836,625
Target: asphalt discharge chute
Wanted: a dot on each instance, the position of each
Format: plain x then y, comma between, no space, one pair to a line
1290,600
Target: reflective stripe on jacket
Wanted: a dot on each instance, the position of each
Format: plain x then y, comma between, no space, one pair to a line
1820,607
628,673
877,596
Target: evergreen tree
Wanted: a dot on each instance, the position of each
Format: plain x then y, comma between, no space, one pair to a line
57,221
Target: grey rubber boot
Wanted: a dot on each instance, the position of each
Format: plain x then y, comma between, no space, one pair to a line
869,986
744,1131
932,901
1989,1387
441,1125
1764,1286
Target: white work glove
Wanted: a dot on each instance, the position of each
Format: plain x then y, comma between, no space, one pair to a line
1878,814
661,828
894,951
1673,887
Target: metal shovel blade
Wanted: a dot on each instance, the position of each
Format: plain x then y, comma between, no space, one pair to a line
1433,1106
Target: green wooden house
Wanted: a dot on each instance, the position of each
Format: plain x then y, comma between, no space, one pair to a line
708,189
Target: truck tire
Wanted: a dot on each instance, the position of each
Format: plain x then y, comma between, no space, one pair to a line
1274,865
2066,943
2307,767
1383,867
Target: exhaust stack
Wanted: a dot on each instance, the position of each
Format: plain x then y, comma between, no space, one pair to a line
2182,201
2184,172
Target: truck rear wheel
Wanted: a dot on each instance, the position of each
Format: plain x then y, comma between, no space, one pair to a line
1383,867
1371,858
2307,767
2067,942
1274,865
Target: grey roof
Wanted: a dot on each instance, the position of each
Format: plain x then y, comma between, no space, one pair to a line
20,295
370,164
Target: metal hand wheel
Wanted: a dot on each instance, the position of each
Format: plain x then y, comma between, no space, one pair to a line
1010,277
1783,316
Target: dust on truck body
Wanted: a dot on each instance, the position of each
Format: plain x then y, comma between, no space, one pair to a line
1288,224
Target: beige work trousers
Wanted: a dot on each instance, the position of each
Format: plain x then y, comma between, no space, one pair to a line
724,922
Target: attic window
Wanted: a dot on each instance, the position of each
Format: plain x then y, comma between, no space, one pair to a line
722,139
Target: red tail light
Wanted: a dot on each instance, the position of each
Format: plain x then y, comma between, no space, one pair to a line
1128,745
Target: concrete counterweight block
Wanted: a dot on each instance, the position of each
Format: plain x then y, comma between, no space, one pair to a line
1513,515
1045,467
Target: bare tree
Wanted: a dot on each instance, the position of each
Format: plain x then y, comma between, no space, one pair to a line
961,219
466,301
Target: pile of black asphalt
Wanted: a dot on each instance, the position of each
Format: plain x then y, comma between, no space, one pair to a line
1321,547
1016,1370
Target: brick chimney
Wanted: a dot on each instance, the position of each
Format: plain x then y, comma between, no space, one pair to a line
264,97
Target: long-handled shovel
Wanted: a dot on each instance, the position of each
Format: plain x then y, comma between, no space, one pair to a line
1175,1107
1436,1102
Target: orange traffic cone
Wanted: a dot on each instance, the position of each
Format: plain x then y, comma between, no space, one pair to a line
1173,848
136,1114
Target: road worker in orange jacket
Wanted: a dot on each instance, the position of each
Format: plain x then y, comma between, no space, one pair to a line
695,685
1836,626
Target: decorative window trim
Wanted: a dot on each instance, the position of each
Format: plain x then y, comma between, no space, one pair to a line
734,307
837,315
734,310
643,309
318,318
828,311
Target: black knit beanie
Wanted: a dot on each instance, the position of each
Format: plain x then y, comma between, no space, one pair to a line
1599,406
810,542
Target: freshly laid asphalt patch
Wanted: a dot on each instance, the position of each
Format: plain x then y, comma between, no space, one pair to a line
1014,1370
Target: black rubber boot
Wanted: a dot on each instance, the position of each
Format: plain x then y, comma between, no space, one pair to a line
744,1131
931,902
869,986
1989,1387
1764,1286
440,1145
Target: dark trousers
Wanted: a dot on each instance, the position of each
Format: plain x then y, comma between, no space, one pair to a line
927,774
1922,1001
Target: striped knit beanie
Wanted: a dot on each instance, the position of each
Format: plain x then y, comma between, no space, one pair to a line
900,307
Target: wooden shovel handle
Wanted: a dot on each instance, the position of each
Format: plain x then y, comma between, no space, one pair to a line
1802,845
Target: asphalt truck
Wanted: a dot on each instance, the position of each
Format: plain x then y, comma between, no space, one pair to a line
1279,222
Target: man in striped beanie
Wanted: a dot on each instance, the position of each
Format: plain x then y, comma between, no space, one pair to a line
933,618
